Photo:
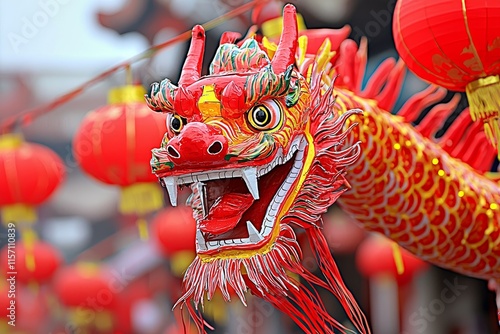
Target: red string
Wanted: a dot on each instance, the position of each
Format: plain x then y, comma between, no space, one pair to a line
27,116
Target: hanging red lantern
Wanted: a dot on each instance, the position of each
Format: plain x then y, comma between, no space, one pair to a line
341,231
77,284
378,255
113,144
24,309
126,299
32,309
29,174
87,292
174,229
455,44
46,260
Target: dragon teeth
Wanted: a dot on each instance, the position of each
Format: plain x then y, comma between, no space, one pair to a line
268,224
202,245
249,175
171,186
203,197
253,234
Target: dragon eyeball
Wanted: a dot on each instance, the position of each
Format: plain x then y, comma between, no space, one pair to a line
267,115
175,123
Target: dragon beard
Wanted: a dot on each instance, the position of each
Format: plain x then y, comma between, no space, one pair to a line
265,273
268,276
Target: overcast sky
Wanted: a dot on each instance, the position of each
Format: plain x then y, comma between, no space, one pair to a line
61,35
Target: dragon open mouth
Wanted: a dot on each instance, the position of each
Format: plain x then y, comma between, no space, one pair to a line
237,208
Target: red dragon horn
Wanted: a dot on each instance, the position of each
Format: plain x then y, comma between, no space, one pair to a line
191,71
285,54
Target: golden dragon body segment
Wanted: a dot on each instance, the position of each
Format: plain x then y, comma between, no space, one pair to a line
417,190
408,188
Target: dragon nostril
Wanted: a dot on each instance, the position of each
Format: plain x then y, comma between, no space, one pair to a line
173,152
215,148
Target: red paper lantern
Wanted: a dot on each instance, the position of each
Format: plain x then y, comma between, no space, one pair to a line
29,174
174,229
46,260
135,292
455,44
341,232
32,310
85,285
114,143
88,293
26,309
375,256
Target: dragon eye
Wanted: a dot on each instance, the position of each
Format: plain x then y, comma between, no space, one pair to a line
265,116
175,122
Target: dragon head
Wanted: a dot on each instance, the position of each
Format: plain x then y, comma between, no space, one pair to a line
261,149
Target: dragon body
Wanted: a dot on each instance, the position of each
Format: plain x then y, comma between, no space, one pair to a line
409,189
429,195
263,144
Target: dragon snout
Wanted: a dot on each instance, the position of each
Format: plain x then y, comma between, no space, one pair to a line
198,144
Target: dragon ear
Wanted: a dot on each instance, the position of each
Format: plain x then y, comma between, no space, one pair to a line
161,96
285,53
191,71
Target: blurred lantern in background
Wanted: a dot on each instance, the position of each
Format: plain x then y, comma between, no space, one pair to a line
126,300
455,44
88,295
379,256
113,144
46,258
174,229
341,231
30,311
390,269
29,175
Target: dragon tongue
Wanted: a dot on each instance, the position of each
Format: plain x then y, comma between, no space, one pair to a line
225,213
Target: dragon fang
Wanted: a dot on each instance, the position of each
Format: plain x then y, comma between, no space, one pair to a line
262,149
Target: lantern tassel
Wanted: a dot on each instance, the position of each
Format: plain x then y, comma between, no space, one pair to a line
180,261
17,213
216,308
141,198
29,238
103,321
398,258
142,227
484,100
79,318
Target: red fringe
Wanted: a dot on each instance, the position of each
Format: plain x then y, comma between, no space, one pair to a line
334,282
304,305
197,318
